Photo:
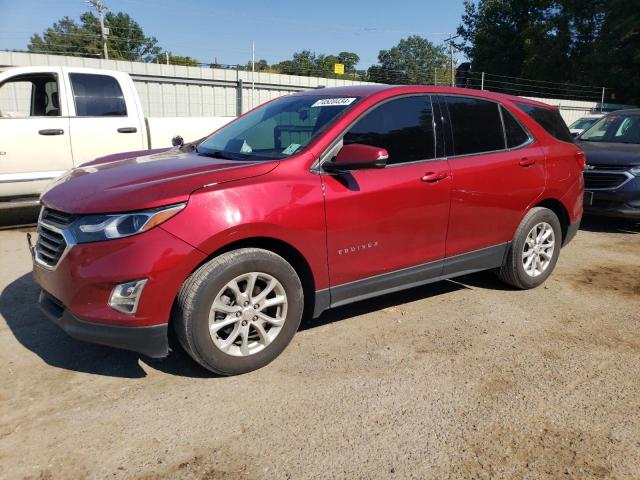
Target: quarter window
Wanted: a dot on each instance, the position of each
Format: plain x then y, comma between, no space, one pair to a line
475,125
97,96
549,119
404,127
514,132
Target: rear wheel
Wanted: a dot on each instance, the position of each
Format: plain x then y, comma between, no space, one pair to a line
534,250
239,311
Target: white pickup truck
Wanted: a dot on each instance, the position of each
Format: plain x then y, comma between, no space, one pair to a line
55,118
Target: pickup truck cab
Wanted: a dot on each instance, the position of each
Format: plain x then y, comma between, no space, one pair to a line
55,118
308,202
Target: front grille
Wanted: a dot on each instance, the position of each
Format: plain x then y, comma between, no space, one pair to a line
594,179
57,218
50,245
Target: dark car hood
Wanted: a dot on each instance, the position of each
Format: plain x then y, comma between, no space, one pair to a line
117,184
608,153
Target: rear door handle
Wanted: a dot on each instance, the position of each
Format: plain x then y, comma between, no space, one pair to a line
127,130
433,177
527,162
51,131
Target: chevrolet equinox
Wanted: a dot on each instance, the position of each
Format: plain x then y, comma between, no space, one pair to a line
307,202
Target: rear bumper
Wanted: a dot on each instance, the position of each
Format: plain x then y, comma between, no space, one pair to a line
148,340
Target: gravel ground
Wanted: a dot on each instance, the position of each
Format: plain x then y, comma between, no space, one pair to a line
460,379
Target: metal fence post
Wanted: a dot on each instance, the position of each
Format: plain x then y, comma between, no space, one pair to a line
602,100
239,94
482,83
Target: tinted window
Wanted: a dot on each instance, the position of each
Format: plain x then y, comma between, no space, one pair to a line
97,95
549,119
404,127
475,125
516,135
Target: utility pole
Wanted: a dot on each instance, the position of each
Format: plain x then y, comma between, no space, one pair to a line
453,73
253,73
101,8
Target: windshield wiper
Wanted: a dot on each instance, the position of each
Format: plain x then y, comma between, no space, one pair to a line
216,154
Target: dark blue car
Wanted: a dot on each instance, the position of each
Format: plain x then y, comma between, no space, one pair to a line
612,173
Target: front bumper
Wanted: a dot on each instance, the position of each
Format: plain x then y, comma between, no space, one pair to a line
150,340
622,203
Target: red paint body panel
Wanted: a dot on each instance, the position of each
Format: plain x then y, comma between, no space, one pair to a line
143,182
384,220
370,222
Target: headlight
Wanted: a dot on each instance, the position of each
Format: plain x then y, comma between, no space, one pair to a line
636,171
94,228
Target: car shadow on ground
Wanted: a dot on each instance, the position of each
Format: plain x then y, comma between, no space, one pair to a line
609,225
18,306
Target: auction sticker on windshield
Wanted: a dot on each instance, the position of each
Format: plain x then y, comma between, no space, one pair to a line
334,102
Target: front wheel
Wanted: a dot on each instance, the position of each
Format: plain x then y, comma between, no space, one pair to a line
239,311
534,250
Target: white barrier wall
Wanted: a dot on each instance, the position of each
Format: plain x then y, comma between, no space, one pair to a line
571,110
177,91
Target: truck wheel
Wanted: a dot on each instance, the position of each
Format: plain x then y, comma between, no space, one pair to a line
534,250
237,312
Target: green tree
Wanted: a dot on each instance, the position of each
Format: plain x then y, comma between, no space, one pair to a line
126,41
177,60
412,61
562,41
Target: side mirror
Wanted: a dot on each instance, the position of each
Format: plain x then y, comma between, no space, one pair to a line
177,141
357,156
575,134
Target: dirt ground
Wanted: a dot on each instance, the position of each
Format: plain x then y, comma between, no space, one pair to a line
460,379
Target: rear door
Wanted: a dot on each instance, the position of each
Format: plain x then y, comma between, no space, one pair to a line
387,220
497,169
34,133
105,118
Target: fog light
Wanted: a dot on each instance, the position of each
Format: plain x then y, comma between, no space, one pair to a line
125,296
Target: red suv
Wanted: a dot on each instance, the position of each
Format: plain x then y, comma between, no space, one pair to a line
308,202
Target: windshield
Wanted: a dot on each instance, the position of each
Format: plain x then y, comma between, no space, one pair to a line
582,123
277,129
614,128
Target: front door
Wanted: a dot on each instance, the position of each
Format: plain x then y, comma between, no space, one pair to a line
387,227
34,133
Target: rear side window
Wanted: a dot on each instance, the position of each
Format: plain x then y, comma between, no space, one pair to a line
516,135
404,127
549,119
475,125
97,96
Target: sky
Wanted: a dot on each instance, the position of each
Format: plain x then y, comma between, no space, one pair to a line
224,29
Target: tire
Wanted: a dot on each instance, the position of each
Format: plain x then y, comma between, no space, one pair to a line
214,347
513,272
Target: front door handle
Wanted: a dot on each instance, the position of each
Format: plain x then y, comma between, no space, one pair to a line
526,162
127,130
51,131
433,177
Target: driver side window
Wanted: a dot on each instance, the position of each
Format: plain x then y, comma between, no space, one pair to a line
403,126
31,95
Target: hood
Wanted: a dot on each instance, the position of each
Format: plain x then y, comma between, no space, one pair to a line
609,153
115,184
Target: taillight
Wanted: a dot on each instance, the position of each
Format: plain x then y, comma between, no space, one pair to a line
581,159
